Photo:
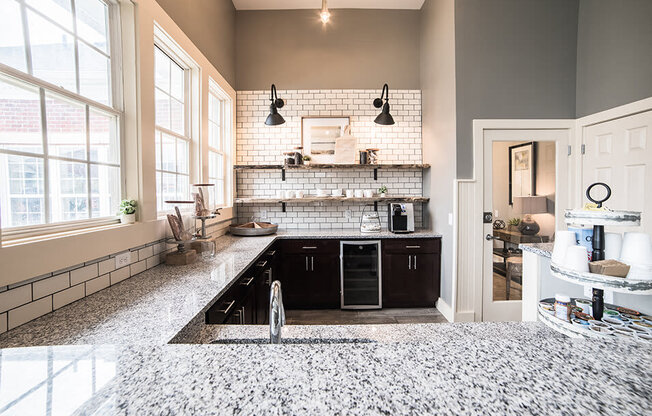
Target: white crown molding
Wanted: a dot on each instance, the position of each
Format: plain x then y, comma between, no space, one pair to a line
332,4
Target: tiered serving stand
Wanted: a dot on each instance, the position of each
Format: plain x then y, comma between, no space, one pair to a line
597,282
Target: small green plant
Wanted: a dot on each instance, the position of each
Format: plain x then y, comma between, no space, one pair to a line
307,158
382,190
127,206
514,221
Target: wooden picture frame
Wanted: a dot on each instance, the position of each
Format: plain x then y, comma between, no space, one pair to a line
522,170
318,135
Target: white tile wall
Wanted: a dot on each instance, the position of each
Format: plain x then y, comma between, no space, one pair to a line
27,300
258,144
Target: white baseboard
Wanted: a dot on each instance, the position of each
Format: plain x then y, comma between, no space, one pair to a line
468,316
445,309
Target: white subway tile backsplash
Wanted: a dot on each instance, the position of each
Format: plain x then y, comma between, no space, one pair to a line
29,311
67,296
106,266
120,275
3,322
51,284
83,274
138,267
152,261
15,297
146,252
97,284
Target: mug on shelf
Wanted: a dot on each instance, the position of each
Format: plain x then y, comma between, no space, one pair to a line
358,193
289,194
298,194
349,193
336,192
368,193
577,258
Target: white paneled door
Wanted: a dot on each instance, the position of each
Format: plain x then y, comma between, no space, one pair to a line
619,153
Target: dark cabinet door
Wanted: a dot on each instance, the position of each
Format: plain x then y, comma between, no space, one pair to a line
262,297
294,281
249,308
410,280
311,281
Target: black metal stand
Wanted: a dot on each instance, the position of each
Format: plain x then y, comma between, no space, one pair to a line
598,250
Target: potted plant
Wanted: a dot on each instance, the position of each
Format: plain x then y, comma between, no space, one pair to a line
127,211
306,160
382,191
513,224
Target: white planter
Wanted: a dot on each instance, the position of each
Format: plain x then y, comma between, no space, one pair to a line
383,195
128,218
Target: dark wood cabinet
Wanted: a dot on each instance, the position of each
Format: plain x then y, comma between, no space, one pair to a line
411,275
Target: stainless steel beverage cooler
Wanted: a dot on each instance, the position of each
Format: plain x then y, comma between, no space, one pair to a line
360,275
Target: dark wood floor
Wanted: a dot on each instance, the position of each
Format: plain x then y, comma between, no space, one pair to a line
500,289
356,317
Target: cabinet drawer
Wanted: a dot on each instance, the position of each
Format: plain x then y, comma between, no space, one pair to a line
311,246
413,245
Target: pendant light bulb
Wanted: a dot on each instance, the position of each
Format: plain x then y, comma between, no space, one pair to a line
324,15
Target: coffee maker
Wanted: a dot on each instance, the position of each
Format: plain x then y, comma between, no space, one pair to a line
400,217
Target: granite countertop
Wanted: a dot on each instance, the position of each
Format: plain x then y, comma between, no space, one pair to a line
542,249
155,306
473,369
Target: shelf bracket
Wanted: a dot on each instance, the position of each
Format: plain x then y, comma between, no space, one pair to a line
283,206
375,205
375,174
282,174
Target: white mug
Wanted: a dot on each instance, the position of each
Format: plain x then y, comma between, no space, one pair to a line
613,242
577,258
289,194
563,240
280,194
349,193
321,192
358,193
299,194
336,192
368,193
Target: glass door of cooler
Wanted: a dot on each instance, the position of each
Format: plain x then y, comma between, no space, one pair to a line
360,274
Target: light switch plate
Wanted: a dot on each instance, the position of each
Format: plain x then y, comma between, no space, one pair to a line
122,259
450,218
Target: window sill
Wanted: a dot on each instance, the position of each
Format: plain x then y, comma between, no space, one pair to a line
19,240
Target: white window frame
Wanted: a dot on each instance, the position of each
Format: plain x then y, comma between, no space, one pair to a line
226,151
115,109
168,46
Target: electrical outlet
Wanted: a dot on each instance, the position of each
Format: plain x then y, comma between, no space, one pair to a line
122,259
348,214
263,214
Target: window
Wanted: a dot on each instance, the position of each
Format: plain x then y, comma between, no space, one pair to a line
172,133
59,133
219,142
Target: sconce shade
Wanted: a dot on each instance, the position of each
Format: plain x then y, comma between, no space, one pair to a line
531,204
384,118
274,118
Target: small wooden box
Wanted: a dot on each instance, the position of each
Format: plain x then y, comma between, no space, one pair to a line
178,258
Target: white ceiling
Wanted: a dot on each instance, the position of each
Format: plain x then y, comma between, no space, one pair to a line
332,4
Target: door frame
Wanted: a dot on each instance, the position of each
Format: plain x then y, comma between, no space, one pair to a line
469,270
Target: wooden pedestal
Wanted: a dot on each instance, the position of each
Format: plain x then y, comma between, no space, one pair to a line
177,258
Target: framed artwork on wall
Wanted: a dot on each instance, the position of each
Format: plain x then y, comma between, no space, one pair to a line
318,137
522,170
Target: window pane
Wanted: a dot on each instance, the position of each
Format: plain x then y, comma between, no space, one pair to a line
66,127
57,10
158,150
162,109
162,70
219,192
91,22
176,116
219,166
168,153
182,187
68,191
21,191
12,42
53,53
182,156
214,136
105,191
168,187
93,74
176,81
214,109
159,194
20,118
104,138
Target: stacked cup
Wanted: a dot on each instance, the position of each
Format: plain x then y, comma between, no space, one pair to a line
637,252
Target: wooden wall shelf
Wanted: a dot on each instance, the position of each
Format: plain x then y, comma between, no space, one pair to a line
312,199
375,168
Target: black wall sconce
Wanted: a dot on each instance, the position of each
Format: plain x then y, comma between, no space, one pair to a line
384,118
274,118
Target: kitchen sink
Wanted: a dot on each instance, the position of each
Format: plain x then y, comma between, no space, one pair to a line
295,341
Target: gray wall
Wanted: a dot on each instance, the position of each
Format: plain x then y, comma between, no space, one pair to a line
437,40
210,25
358,49
614,54
514,59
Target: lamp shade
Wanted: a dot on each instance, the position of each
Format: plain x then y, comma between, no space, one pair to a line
274,118
531,204
384,118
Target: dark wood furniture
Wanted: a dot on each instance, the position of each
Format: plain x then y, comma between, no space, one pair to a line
511,240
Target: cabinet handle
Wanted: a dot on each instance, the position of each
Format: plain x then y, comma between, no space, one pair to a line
306,263
271,252
415,247
415,262
248,282
242,316
228,308
269,276
409,262
309,248
261,263
312,263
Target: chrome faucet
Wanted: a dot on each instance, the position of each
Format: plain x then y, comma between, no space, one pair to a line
276,312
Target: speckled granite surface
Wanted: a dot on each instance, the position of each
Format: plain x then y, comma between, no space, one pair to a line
542,249
492,376
157,304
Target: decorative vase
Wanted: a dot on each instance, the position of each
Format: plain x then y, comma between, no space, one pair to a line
528,226
128,218
383,195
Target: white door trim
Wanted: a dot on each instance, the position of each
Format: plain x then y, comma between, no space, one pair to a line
468,271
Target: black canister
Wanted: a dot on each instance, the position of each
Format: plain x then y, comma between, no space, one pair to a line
598,303
364,157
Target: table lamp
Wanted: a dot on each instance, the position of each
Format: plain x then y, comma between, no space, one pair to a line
529,205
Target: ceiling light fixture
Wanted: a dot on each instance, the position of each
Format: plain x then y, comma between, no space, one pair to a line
274,118
384,118
324,15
